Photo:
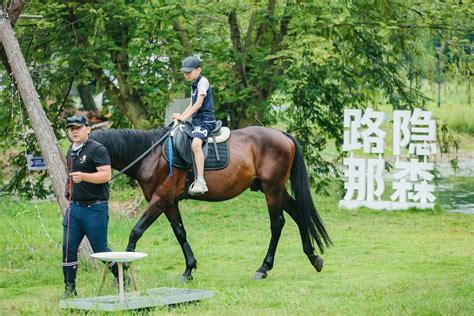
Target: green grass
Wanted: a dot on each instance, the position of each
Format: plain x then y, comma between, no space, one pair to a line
412,262
455,111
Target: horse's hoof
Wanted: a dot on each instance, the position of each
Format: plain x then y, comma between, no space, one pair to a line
317,263
260,275
185,278
126,265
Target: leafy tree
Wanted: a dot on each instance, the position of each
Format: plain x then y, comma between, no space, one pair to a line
340,55
316,58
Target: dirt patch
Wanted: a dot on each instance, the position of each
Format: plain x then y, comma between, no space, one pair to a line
127,208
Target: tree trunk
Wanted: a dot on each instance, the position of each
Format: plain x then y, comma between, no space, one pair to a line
126,99
130,105
43,130
88,103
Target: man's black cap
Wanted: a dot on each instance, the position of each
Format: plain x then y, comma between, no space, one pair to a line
190,63
77,120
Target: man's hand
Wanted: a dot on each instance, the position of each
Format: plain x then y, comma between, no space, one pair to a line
67,189
76,177
103,175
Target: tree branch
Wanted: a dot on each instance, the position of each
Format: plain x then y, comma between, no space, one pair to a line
284,22
66,96
277,70
237,44
183,37
248,37
235,31
264,25
402,26
15,9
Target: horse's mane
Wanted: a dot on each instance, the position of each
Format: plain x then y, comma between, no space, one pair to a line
128,144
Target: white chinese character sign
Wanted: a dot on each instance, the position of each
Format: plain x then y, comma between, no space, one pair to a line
414,141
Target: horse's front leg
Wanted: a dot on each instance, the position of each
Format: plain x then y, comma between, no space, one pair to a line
174,217
152,212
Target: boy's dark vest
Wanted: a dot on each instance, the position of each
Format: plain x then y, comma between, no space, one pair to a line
206,113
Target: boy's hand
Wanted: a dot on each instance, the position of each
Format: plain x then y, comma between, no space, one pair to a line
177,116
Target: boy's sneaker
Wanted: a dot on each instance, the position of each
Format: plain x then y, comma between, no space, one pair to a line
197,188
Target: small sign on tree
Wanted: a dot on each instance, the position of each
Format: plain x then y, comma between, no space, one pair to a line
35,162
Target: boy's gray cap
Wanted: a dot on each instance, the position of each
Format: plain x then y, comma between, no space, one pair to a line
77,120
190,63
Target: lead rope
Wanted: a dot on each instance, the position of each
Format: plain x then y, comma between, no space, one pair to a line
70,169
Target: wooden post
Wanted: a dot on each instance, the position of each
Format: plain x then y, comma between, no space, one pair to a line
40,123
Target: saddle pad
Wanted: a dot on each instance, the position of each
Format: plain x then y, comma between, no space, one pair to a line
210,163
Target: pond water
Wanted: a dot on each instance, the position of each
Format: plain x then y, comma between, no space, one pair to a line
456,189
456,194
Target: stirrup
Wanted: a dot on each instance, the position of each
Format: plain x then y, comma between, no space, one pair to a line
197,188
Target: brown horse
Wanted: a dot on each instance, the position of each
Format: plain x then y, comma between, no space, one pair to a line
260,157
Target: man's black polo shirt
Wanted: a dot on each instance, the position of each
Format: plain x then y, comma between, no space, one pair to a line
87,159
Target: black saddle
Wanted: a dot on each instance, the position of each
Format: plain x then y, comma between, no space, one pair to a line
215,157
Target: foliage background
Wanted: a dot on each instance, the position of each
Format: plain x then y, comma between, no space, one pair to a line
291,63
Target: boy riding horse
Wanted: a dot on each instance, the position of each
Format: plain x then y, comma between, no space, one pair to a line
201,108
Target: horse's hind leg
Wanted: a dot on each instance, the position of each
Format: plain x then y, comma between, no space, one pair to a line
152,212
174,217
289,205
277,221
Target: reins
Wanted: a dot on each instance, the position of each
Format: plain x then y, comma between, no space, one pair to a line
175,123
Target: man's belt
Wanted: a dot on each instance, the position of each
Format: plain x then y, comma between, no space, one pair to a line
86,203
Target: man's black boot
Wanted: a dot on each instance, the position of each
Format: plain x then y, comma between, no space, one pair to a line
69,291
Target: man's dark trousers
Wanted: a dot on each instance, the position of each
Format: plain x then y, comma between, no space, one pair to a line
89,220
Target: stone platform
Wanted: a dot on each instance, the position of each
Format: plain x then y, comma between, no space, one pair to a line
136,300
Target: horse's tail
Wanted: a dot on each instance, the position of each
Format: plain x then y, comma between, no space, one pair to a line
310,219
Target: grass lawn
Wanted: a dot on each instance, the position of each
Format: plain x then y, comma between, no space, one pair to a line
412,262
